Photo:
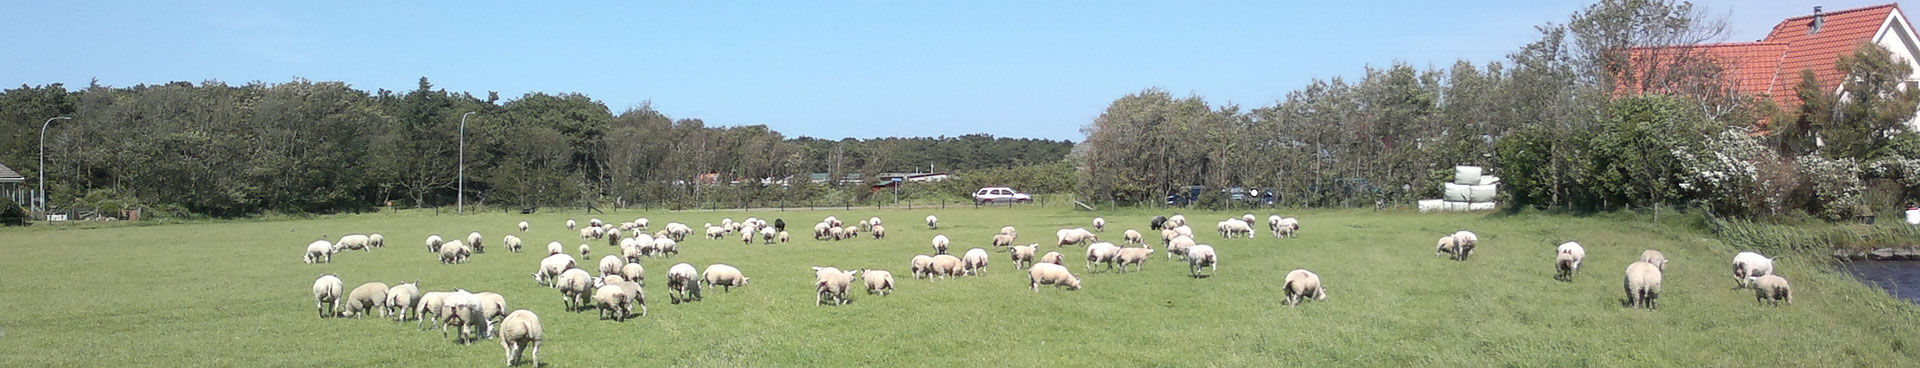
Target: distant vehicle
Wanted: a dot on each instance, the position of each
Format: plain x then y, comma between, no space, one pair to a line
1000,194
1254,195
1185,195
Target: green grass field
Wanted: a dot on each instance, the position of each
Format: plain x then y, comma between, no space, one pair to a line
237,294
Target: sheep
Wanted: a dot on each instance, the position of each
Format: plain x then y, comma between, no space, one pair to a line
1273,224
850,232
940,244
585,251
1179,246
1642,285
1748,266
1074,236
431,303
523,226
1157,223
1051,274
1567,260
1247,218
682,283
1053,257
922,266
550,269
1771,289
1022,255
609,280
1176,221
1463,243
635,295
1444,247
433,243
1167,235
1659,260
493,306
820,230
614,236
947,266
933,223
831,284
1133,256
724,276
454,252
367,298
555,248
1133,237
663,246
1001,240
594,222
354,242
473,240
1232,228
1183,230
319,251
679,231
511,242
878,281
587,232
1202,256
784,238
1302,285
873,221
780,224
611,264
1287,228
715,232
1101,253
462,309
634,273
768,234
831,221
975,261
611,300
570,224
837,233
1100,224
575,287
401,299
746,236
640,223
376,241
865,225
326,295
520,330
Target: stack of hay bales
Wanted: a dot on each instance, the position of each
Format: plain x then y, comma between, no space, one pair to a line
1469,191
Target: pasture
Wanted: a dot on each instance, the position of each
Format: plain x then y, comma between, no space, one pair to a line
237,294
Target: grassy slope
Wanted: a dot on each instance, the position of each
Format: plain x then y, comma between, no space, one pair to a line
236,294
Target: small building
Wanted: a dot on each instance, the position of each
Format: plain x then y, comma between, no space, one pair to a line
849,178
915,177
10,186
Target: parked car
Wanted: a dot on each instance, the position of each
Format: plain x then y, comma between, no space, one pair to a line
1185,195
1001,195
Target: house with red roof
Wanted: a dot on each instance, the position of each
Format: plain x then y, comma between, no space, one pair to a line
1770,68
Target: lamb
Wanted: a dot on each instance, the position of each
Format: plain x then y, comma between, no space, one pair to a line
1301,285
922,266
634,273
354,242
1748,266
877,281
682,283
933,223
555,248
512,243
1444,247
1099,224
1653,256
611,300
570,224
1642,285
1101,253
1133,256
1051,274
1074,236
831,284
1567,261
326,295
473,240
454,252
1157,223
401,299
367,298
585,251
1202,256
1053,257
940,244
724,276
611,265
520,330
319,251
784,238
879,232
431,303
947,266
1133,237
462,309
434,242
523,226
1180,246
1022,255
1001,240
975,261
1771,289
575,287
550,269
1463,243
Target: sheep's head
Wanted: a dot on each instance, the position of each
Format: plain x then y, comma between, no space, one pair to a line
1073,283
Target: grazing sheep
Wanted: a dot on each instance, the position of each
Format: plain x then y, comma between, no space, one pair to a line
1074,236
1567,261
1001,240
975,261
1133,256
520,330
473,240
947,266
1247,218
837,233
354,242
662,246
431,303
614,237
768,234
1100,224
1157,223
878,280
820,230
1748,266
576,286
367,298
635,295
933,223
550,269
570,224
1183,230
493,307
585,251
1659,260
611,300
611,264
1202,256
784,238
523,226
401,299
587,232
376,241
1176,221
1463,243
780,224
319,251
1022,255
873,221
1167,235
1444,247
511,242
462,311
715,232
724,276
634,273
940,244
434,242
1287,228
831,284
1232,228
1642,285
1771,289
682,283
1051,274
1053,257
1302,285
879,232
1273,224
922,266
1133,237
555,248
865,225
1179,246
594,222
454,252
746,236
850,232
640,223
326,295
1102,253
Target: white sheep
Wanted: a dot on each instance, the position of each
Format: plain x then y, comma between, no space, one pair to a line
1771,289
634,273
1133,256
715,232
1444,247
576,286
767,235
493,307
473,240
1099,224
1202,256
556,248
1463,244
588,232
1232,228
462,311
454,252
1247,218
662,246
1303,285
1273,224
376,241
933,223
1176,221
1642,285
523,226
1183,230
1001,240
1659,260
1102,252
401,299
1053,257
975,261
319,251
683,283
550,269
878,281
947,266
784,238
640,223
837,233
1009,230
585,251
1133,237
831,284
366,299
1074,236
431,304
1051,274
635,295
1748,266
595,222
873,221
326,295
354,242
1179,246
865,225
820,230
571,224
922,266
511,242
724,276
1567,260
611,300
879,232
434,242
611,264
1022,255
520,330
940,244
1167,235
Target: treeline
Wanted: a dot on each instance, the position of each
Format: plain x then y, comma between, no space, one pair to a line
1567,121
320,147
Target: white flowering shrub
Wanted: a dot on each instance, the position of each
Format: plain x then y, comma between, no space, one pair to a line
1725,172
1835,185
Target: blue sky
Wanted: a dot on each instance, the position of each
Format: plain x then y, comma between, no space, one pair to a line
825,69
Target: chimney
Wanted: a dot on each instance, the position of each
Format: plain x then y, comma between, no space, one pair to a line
1818,20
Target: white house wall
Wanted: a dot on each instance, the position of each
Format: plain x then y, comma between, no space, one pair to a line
1896,35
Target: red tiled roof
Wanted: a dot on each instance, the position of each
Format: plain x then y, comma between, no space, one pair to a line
1842,33
1749,66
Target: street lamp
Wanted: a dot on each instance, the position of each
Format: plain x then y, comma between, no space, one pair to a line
43,161
460,201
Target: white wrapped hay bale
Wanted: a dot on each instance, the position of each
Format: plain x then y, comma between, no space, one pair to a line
1480,206
1453,206
1481,193
1432,205
1489,180
1453,192
1469,175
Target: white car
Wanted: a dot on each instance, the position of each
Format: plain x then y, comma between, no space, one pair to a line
1000,194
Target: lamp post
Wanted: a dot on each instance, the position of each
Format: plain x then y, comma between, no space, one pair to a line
460,201
43,161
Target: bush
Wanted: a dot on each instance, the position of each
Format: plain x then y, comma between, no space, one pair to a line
11,213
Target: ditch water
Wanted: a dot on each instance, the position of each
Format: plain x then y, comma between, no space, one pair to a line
1900,278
